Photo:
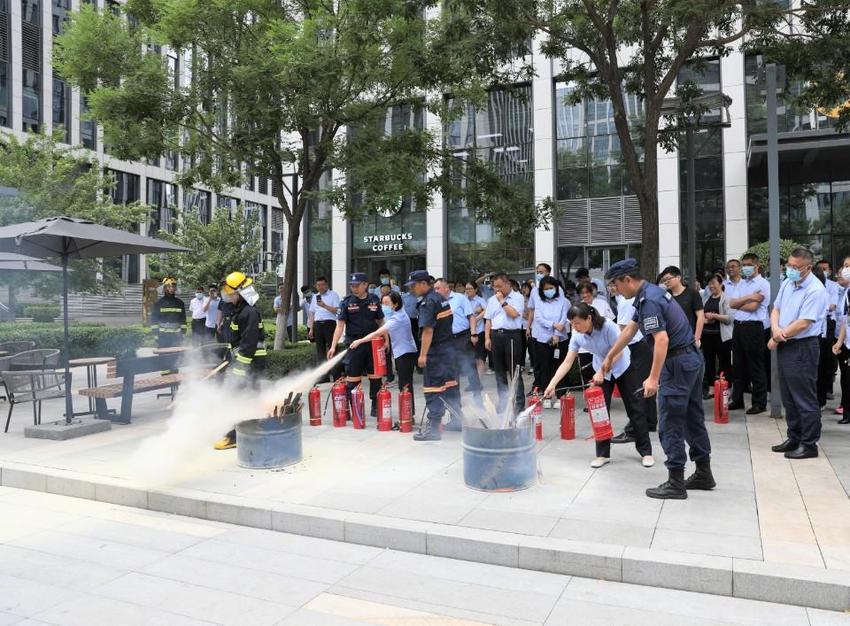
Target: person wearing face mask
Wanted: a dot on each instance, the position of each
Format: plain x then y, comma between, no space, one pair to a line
384,278
549,328
597,335
503,338
748,299
199,316
247,339
841,348
463,322
799,314
541,271
397,328
478,305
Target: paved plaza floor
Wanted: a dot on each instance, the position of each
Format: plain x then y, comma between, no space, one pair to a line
764,509
68,561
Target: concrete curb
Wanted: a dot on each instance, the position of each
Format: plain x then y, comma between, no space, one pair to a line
741,578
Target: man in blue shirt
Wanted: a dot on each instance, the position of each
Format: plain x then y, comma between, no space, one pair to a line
463,319
675,376
796,323
435,358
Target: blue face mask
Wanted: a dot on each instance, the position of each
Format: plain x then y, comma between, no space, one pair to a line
388,310
385,280
199,295
539,277
550,293
792,273
748,271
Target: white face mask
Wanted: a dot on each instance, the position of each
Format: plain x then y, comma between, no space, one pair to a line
249,294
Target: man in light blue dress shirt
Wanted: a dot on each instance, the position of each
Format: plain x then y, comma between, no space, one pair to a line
796,323
463,319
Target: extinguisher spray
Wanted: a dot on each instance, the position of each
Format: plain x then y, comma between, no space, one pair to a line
405,410
314,402
568,416
339,398
358,419
379,356
385,409
721,400
536,414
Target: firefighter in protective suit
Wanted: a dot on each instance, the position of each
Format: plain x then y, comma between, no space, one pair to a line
168,317
247,338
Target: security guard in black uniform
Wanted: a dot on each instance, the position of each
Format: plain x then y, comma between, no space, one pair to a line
676,376
247,339
359,314
437,356
168,318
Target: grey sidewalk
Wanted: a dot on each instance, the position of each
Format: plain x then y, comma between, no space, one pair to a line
66,561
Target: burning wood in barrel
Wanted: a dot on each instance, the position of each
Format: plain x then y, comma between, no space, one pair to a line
291,404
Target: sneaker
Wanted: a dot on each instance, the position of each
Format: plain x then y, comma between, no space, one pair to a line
647,461
839,410
227,442
599,462
489,372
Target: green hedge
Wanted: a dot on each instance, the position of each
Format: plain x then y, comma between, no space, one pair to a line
291,358
269,325
87,340
41,312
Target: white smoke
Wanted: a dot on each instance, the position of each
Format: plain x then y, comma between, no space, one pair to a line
204,412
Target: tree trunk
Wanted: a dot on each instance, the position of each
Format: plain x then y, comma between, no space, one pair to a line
13,301
648,201
290,267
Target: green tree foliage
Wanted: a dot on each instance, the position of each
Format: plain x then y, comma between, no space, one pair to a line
275,84
613,48
47,179
217,248
762,251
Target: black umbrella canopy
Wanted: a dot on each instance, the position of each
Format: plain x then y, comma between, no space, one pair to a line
9,261
77,239
72,238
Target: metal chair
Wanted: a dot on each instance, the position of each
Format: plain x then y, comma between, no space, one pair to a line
32,386
14,347
42,359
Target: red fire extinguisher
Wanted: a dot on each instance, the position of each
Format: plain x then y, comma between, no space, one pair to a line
594,398
358,419
314,402
385,409
721,400
568,416
339,397
536,414
405,410
379,356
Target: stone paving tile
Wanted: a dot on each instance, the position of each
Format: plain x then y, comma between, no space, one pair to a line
514,522
98,611
26,598
604,532
715,544
363,611
59,570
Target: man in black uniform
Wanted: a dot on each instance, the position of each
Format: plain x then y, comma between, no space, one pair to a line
437,356
168,318
359,314
247,339
676,376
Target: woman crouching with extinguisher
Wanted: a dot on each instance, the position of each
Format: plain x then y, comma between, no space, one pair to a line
597,335
397,326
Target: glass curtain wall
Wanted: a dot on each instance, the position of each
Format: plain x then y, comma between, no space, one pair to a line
501,132
708,172
5,64
162,198
126,191
31,64
61,90
319,219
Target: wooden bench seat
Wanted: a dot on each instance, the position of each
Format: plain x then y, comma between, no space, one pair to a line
140,385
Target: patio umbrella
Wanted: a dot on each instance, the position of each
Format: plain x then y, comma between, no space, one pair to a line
72,238
11,262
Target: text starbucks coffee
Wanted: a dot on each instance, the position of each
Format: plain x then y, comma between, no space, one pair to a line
388,243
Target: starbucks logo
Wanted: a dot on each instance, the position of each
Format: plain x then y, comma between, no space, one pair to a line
391,209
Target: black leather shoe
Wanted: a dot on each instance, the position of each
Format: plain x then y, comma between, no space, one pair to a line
622,438
844,420
802,453
673,489
785,446
735,407
755,410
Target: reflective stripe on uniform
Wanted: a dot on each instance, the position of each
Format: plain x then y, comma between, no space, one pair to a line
170,309
353,379
374,377
234,326
261,352
236,371
243,359
170,330
447,385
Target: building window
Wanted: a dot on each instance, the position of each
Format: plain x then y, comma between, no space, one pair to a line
500,132
227,204
198,202
319,219
259,211
791,117
5,65
61,104
88,127
708,172
162,198
276,256
126,190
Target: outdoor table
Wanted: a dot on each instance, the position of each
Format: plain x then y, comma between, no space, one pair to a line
90,364
3,353
171,350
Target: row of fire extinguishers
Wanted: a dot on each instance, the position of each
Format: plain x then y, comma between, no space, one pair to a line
350,405
594,400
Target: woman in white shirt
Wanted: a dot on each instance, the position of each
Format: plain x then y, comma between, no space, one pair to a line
478,304
549,327
590,295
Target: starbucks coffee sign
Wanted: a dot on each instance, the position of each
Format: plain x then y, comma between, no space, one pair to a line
388,243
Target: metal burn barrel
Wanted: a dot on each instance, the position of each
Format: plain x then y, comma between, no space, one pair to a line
499,459
269,442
